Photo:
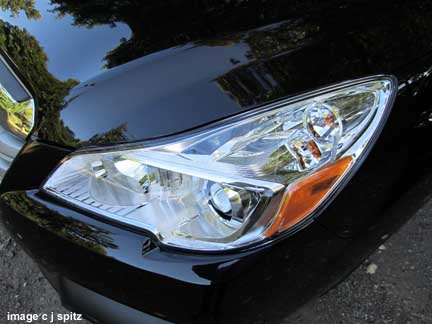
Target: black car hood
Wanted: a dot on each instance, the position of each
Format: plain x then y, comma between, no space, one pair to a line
106,72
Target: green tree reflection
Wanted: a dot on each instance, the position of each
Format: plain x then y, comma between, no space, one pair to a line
26,52
115,135
159,24
15,6
282,56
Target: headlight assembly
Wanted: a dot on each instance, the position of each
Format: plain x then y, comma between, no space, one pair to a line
237,183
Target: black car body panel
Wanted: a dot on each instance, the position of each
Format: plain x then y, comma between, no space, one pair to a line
239,54
183,65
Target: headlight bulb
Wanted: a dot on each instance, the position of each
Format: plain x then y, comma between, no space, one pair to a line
322,123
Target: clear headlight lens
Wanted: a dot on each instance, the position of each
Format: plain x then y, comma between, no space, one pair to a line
255,177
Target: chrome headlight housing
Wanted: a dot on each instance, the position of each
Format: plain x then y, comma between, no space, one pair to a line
239,182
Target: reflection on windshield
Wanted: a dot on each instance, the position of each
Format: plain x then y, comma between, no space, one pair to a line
16,116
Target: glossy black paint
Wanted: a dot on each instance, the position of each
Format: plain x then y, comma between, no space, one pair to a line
264,284
185,64
167,58
179,288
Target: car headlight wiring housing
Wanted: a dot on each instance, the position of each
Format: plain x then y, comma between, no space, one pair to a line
239,182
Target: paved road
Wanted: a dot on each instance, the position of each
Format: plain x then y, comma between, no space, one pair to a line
393,286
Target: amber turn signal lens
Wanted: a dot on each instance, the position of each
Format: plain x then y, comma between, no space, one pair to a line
305,195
